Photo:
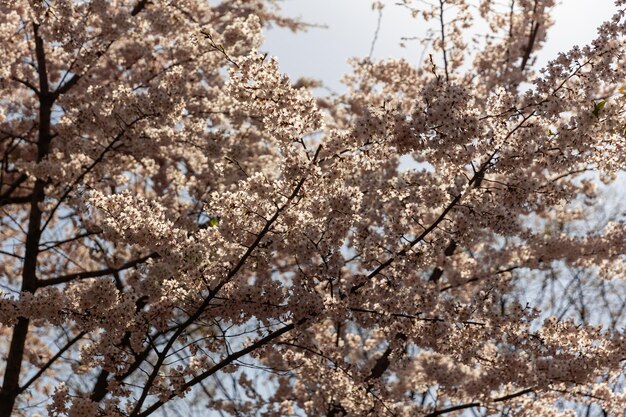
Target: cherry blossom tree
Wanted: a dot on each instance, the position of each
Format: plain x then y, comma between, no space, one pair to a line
181,222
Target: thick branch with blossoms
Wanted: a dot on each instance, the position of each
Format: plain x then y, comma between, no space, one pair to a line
183,224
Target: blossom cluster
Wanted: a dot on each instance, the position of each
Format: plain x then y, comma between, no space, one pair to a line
183,222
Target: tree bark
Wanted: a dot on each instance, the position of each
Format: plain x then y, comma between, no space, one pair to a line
10,384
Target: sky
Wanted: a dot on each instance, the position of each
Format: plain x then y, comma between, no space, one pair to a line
322,53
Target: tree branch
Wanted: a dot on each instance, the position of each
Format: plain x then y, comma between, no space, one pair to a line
94,274
5,197
212,293
139,7
531,40
10,385
222,364
27,84
438,272
407,248
443,40
51,361
478,404
62,89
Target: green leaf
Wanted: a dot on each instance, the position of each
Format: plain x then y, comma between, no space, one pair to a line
599,106
214,221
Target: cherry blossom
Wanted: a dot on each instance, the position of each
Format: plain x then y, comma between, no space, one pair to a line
183,223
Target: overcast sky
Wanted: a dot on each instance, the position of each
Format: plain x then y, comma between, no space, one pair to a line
322,52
